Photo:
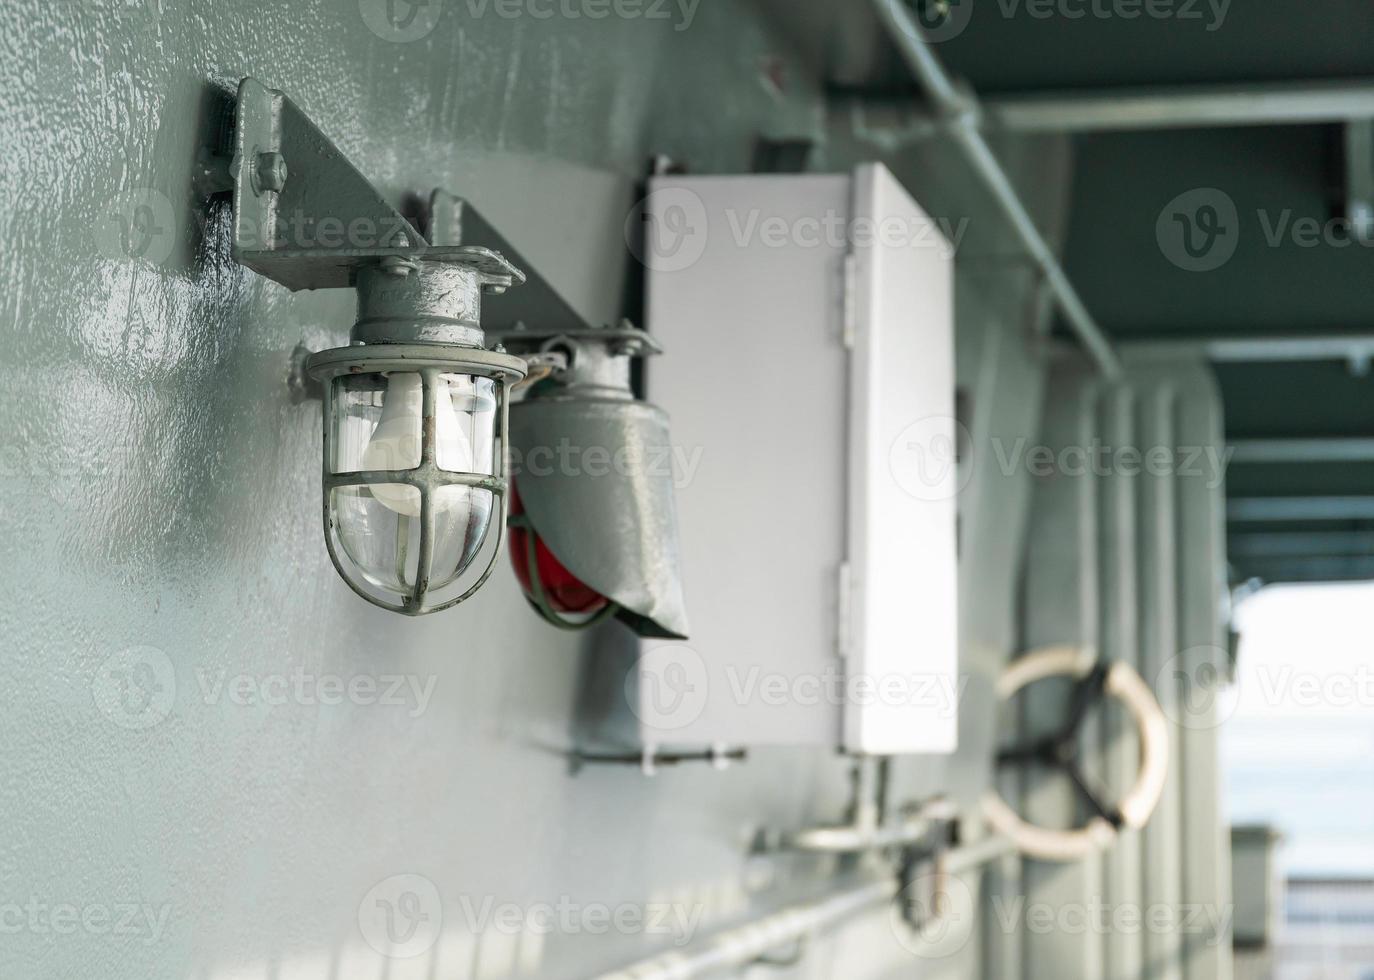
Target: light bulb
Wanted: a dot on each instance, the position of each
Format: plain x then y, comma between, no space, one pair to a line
396,442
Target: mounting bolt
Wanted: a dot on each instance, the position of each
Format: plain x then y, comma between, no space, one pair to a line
398,266
271,172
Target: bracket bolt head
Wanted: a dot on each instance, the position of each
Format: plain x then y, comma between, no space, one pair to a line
271,171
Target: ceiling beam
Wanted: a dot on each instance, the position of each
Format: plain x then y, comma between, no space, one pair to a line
1350,508
1299,544
1319,569
1302,450
1183,107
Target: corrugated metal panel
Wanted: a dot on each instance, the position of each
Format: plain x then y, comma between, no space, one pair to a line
1126,553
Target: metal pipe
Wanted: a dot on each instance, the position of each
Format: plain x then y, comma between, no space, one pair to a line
1183,107
961,111
858,838
977,854
1352,347
1134,109
863,835
747,944
739,947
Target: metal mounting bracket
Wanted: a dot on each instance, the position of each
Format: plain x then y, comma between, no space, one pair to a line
650,758
307,218
454,221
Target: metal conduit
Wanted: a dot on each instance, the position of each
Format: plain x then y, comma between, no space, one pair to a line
747,944
962,112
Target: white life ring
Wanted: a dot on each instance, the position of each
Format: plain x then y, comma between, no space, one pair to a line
1136,807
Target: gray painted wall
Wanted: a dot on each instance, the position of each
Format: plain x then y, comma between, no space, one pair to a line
165,576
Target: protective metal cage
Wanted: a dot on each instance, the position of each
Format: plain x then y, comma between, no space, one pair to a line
430,362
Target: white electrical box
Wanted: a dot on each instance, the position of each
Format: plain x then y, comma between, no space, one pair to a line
807,323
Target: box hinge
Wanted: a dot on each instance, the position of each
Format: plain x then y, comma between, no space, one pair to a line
849,301
844,604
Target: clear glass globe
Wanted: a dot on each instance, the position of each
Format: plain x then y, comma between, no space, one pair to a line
377,425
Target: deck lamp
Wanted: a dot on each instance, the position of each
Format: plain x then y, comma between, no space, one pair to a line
414,459
415,407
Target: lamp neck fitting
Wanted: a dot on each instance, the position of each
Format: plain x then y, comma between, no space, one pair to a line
404,300
594,370
590,363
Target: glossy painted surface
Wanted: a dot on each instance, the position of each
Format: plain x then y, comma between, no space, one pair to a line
217,759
